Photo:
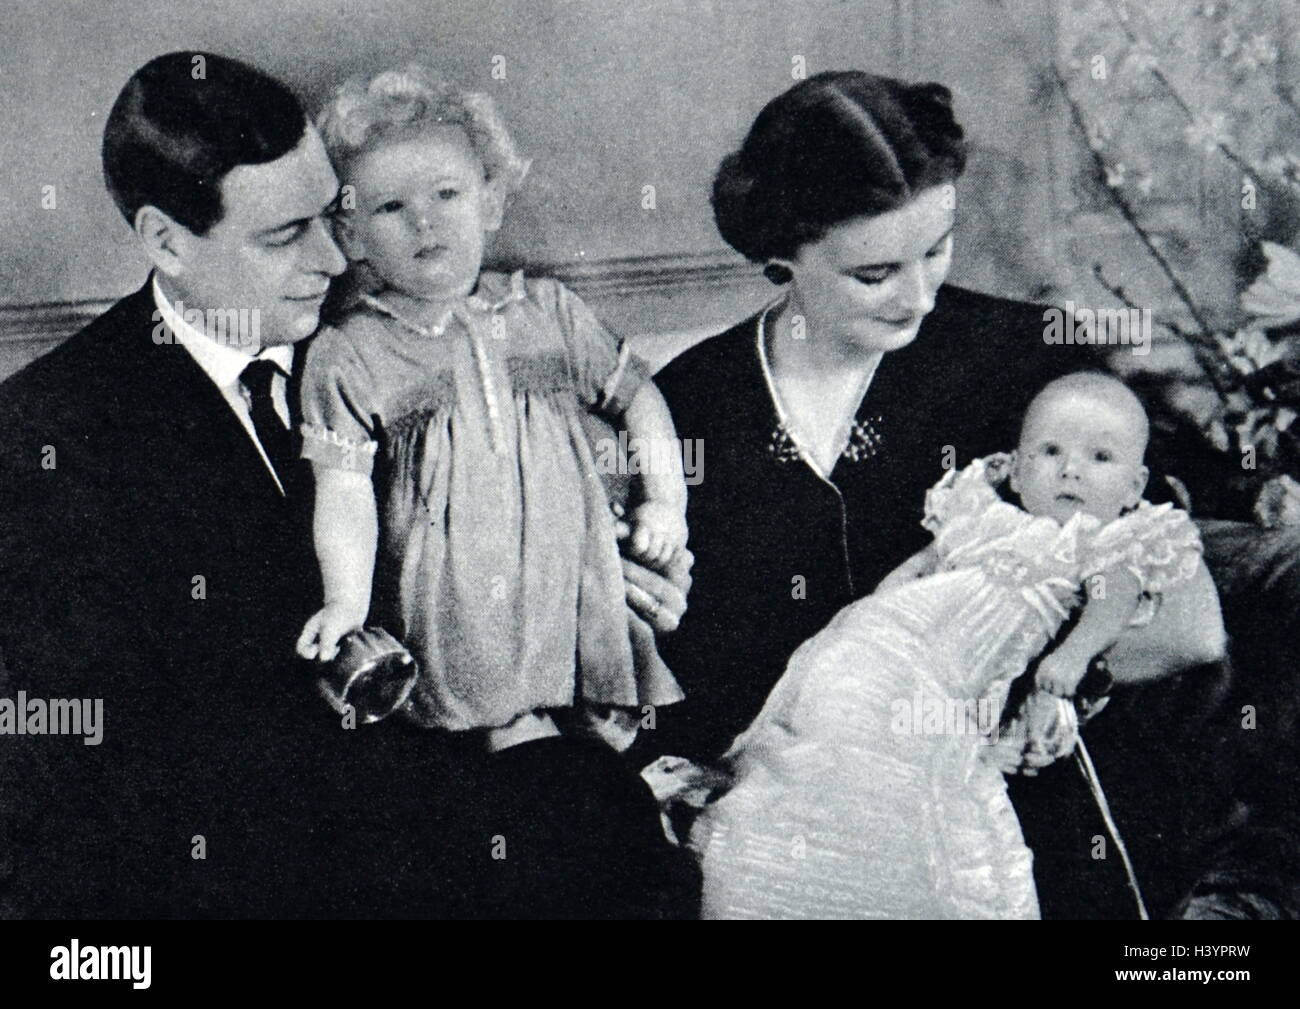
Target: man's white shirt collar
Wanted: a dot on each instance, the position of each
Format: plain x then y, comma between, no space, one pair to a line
220,362
224,364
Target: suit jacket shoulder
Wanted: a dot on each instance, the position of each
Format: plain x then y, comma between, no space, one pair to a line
53,392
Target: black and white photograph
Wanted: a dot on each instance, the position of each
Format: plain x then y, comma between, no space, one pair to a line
674,460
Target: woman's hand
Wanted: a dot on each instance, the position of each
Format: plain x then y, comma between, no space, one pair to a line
1187,631
658,595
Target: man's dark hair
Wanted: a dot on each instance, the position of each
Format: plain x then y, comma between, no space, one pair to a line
182,122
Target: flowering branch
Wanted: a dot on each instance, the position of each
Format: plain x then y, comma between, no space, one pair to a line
1200,342
1188,113
1205,353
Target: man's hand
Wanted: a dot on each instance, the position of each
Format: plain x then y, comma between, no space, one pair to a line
658,595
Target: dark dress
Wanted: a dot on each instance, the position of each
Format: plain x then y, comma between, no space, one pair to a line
1196,798
778,550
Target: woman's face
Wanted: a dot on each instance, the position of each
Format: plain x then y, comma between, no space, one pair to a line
869,282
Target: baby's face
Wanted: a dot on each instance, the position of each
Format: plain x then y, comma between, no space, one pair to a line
423,211
1079,453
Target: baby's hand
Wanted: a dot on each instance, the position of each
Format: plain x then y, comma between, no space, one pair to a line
658,532
1060,673
322,633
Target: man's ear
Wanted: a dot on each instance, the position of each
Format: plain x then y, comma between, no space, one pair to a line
493,207
349,241
1013,478
164,239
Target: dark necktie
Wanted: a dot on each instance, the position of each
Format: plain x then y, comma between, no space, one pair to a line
271,432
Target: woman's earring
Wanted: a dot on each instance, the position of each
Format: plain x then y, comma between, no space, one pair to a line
778,273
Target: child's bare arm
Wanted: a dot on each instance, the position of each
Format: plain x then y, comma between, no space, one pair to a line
659,522
1112,601
345,529
919,565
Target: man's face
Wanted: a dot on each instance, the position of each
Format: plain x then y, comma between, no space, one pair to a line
272,250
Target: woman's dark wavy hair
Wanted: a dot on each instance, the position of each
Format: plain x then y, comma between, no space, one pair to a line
180,125
839,145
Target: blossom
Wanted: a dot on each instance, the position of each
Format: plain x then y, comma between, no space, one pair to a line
1249,350
1099,133
1285,164
1273,300
1258,52
1141,58
1209,134
1217,435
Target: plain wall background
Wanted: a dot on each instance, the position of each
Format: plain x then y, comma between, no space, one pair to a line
606,96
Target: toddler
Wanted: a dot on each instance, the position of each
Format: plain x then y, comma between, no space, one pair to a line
456,495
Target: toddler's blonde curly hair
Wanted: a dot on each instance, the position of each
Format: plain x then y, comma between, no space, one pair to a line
362,114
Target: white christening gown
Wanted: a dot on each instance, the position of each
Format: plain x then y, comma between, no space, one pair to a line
860,791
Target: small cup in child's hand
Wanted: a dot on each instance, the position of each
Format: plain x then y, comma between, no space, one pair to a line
372,676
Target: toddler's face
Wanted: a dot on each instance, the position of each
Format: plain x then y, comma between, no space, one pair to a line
1079,453
423,211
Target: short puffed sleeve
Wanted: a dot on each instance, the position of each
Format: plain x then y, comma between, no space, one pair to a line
965,493
607,373
1158,544
337,407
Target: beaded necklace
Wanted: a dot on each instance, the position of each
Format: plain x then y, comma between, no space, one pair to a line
490,400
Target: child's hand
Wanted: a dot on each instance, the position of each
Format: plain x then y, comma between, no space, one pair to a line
658,532
322,633
1060,673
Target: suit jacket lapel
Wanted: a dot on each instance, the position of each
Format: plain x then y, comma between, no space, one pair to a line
174,394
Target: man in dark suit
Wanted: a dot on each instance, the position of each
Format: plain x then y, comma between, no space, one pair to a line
153,551
154,554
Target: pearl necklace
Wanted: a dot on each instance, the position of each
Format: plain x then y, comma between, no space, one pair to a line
864,440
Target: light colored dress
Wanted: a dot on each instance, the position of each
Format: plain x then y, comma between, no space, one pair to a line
860,791
497,564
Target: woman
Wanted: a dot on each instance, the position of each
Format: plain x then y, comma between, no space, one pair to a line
828,415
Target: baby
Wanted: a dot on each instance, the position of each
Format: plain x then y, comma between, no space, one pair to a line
867,754
442,417
1081,447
